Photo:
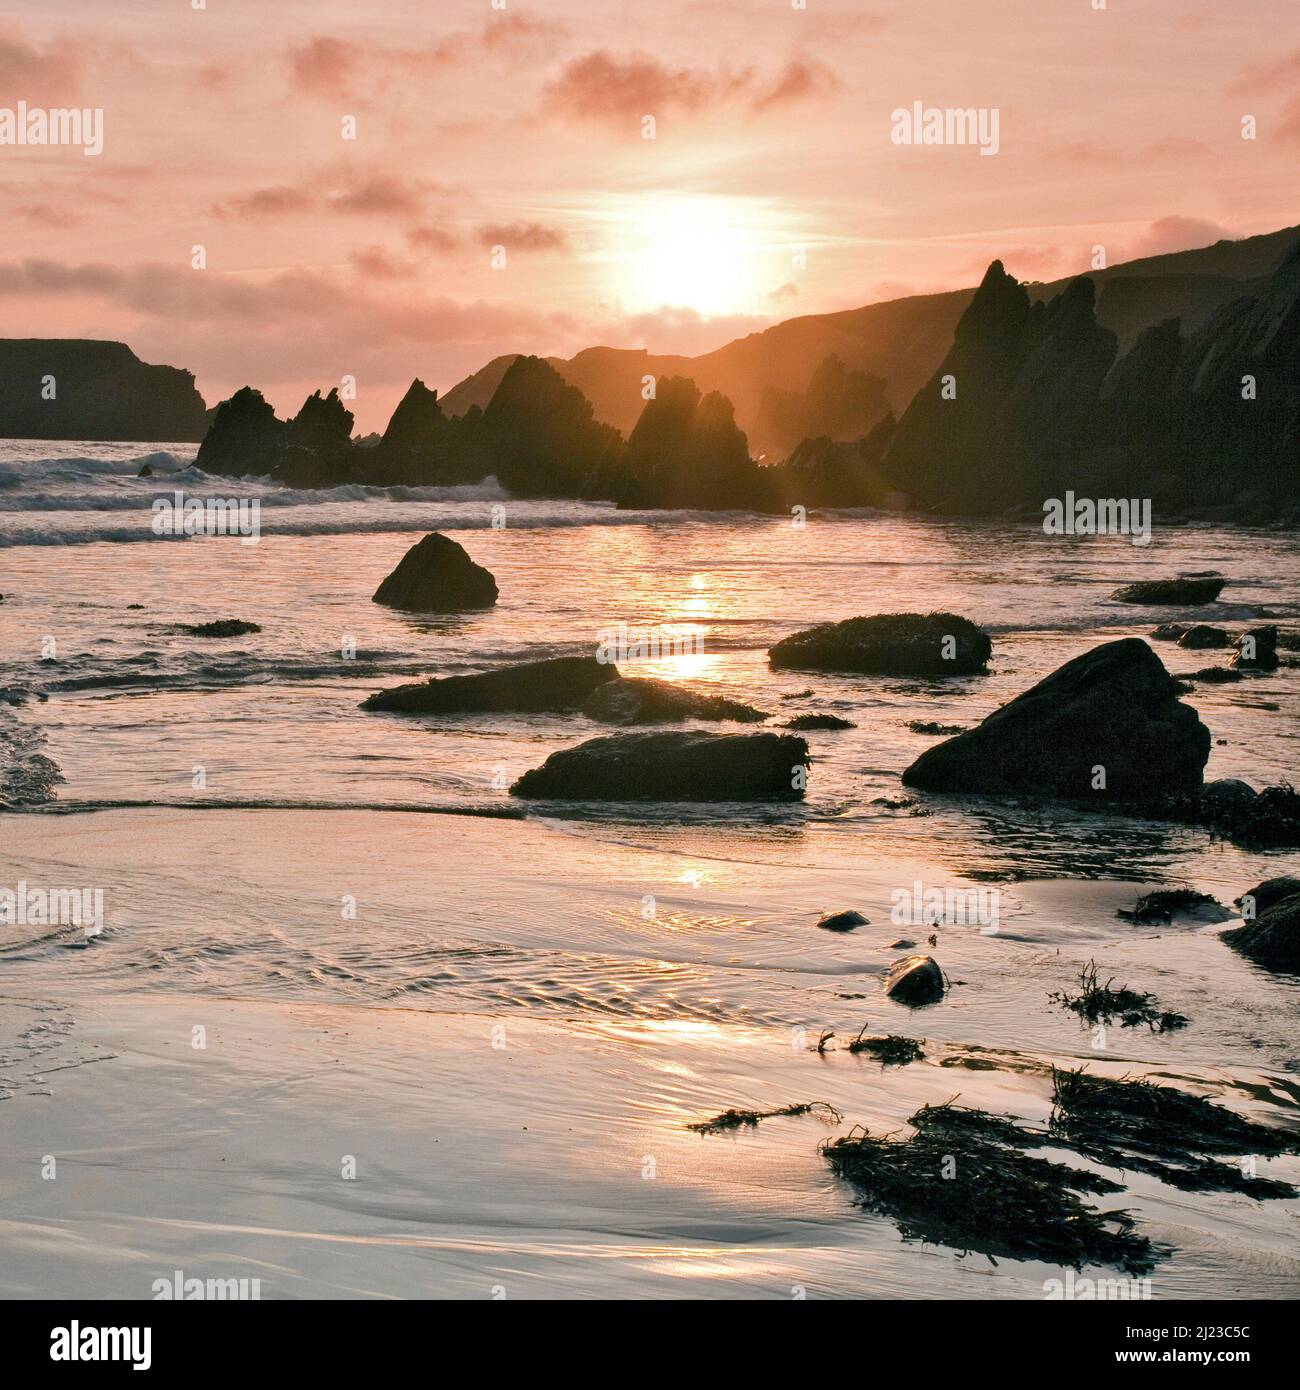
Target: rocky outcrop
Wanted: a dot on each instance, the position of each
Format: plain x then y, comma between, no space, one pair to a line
437,576
675,766
1268,894
557,684
244,439
890,644
1273,938
1187,590
838,404
686,451
1256,650
1200,636
80,388
637,700
1107,726
538,434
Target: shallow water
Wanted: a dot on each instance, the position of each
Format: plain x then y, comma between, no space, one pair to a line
695,920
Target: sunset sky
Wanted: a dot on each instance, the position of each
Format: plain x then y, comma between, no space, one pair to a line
522,127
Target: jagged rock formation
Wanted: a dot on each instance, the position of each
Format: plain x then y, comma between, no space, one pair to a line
437,576
1034,398
245,437
101,390
839,404
539,434
686,451
1107,726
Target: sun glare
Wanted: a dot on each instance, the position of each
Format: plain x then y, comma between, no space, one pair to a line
698,253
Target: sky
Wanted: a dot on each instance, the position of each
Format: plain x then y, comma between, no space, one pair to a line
388,191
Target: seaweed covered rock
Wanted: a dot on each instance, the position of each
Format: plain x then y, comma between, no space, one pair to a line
887,644
437,576
1256,650
915,980
1273,938
1202,635
673,766
1107,724
561,683
1267,894
1189,589
638,700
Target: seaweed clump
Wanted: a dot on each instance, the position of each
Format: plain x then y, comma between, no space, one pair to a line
737,1119
963,1180
1166,903
889,1049
222,627
1098,1003
1171,1135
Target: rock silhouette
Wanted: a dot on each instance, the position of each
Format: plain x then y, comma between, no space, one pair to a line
437,576
1107,726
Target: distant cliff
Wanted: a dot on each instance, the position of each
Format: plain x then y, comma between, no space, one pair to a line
79,388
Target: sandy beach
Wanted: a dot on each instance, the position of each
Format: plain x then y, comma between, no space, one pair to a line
543,1151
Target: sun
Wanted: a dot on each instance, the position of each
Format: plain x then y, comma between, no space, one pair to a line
701,253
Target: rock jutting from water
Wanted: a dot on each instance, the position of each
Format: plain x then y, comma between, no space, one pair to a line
887,644
1189,589
437,576
557,684
639,700
673,766
1107,725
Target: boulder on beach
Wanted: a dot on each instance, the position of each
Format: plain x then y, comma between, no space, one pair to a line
437,576
639,700
1202,635
560,683
887,644
1226,798
1272,939
673,766
1268,894
1186,589
915,980
842,921
1256,650
1106,725
1170,632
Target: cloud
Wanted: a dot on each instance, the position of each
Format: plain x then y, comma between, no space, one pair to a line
801,77
50,74
429,238
357,70
1176,233
381,264
337,191
522,236
1267,77
604,87
601,87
